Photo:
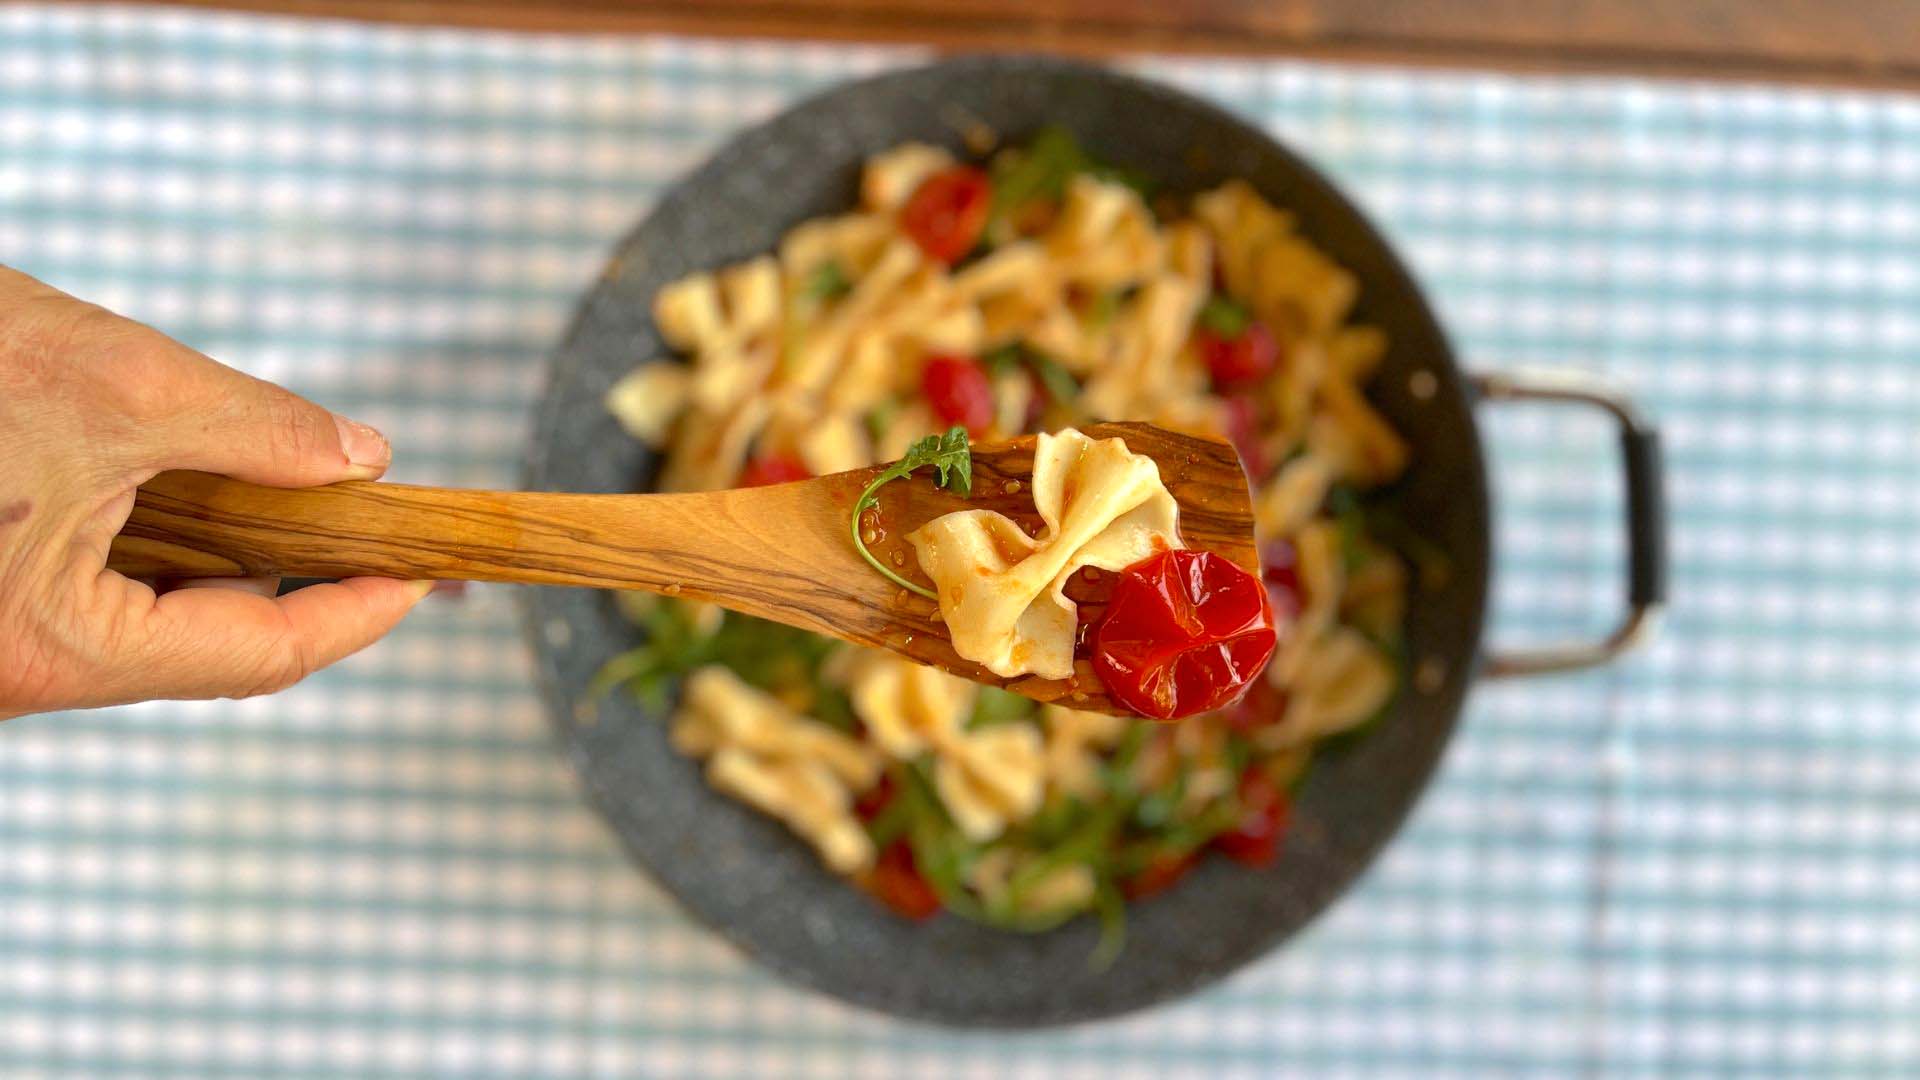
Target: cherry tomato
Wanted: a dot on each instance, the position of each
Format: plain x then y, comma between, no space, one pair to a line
1254,840
875,799
1239,360
897,883
1280,569
959,392
1184,632
1243,429
945,214
773,469
1263,706
1159,875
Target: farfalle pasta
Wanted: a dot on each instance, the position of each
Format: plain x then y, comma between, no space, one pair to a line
785,764
1001,592
1035,291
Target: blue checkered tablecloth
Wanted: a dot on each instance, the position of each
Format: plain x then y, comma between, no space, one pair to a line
1703,861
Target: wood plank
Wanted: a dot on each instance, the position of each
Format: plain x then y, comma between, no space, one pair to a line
1857,42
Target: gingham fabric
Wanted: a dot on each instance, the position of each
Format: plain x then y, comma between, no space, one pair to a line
1703,861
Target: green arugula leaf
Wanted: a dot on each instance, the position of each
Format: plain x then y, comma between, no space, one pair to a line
1041,171
1224,317
1002,360
996,706
1059,385
880,418
828,281
949,457
1102,310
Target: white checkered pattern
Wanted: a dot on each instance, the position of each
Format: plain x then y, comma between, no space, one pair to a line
1703,861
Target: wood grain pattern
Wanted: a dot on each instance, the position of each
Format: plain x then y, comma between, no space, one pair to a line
780,553
1863,42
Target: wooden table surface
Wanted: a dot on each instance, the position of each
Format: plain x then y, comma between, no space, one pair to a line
1858,42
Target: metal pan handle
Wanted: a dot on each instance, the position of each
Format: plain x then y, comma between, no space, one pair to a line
1646,518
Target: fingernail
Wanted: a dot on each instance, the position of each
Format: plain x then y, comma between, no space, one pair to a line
418,590
450,590
366,449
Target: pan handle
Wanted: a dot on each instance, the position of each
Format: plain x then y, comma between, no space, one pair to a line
1646,518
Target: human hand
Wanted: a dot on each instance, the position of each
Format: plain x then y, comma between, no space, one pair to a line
91,406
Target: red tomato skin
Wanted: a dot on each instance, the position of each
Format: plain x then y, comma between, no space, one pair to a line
959,392
1158,876
1184,632
1261,707
875,799
1280,569
1238,361
773,469
896,882
1243,430
1254,840
946,213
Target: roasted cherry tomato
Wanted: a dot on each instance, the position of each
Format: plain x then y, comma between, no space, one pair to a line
773,469
1254,839
897,883
1280,569
945,214
1262,707
1236,361
959,392
875,799
1184,632
1159,875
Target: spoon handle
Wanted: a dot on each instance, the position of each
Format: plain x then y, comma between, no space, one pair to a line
187,524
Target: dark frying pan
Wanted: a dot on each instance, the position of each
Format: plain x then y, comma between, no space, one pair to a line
742,873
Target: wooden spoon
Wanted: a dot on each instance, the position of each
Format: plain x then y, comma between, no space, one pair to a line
780,552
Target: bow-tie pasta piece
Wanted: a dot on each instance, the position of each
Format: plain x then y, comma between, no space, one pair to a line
1001,592
784,764
987,779
648,400
1076,743
908,708
1344,680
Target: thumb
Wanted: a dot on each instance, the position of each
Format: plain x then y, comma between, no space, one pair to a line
252,430
204,643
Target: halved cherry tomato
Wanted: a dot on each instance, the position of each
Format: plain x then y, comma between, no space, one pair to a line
1254,839
773,469
945,214
897,883
959,392
1185,631
1159,875
1236,361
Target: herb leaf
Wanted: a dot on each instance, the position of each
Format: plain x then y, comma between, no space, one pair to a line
1224,317
950,458
1040,172
828,281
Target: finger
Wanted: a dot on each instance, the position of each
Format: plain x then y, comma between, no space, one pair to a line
263,433
268,587
223,642
141,402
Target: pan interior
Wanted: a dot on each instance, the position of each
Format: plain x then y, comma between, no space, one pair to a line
742,873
